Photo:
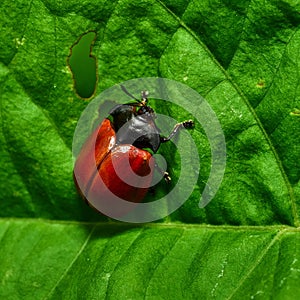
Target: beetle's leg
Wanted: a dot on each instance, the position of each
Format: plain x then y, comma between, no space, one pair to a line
185,124
166,175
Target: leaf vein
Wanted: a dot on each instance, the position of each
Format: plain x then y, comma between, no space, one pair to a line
72,262
256,263
161,260
121,258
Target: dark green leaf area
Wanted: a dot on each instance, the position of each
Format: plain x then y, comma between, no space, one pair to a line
137,34
267,30
276,107
222,38
38,165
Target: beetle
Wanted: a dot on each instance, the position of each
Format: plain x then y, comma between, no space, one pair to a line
128,133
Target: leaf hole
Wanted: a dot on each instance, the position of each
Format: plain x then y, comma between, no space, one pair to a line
83,65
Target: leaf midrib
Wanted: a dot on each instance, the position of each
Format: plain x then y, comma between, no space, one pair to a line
111,224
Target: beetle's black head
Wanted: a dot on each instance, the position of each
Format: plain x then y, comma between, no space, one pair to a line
139,119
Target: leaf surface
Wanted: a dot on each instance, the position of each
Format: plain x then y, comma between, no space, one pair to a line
243,58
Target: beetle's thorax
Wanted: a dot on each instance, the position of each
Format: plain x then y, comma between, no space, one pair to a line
141,132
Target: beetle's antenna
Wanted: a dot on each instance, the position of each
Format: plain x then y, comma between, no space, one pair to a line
144,96
128,94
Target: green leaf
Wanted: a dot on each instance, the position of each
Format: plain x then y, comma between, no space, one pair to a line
243,58
123,262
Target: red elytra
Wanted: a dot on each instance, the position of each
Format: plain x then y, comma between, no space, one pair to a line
95,159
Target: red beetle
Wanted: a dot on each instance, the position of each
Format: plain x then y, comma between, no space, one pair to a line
124,135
